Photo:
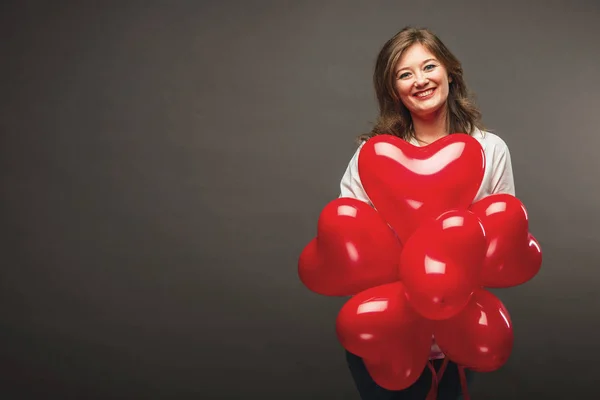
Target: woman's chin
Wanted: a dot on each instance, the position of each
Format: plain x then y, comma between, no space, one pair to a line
428,113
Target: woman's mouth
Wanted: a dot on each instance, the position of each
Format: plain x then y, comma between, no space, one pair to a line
425,94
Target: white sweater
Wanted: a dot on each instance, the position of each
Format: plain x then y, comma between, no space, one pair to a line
497,178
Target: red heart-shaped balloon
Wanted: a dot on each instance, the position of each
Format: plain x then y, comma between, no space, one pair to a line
513,255
441,263
354,250
480,337
397,371
380,326
408,184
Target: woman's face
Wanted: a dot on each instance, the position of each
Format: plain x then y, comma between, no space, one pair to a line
421,82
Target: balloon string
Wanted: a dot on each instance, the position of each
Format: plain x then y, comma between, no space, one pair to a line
442,369
463,383
432,395
435,378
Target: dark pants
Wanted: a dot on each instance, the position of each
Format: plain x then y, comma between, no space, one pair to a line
448,389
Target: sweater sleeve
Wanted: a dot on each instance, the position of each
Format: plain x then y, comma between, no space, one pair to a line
502,180
350,185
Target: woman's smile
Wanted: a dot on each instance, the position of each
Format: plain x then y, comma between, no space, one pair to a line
425,94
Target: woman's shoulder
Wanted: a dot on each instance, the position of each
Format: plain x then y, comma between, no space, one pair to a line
491,142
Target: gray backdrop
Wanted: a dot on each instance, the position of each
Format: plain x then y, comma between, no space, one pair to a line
164,163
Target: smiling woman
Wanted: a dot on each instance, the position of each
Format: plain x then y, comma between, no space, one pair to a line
423,97
422,84
420,89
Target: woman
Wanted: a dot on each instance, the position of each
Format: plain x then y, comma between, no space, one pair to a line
423,97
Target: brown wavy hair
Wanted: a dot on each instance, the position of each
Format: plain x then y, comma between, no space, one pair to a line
394,118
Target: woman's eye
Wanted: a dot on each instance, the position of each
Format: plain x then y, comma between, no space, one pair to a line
404,75
429,67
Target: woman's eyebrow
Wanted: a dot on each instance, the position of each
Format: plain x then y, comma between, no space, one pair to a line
424,62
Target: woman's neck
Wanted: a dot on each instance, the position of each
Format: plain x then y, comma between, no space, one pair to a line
430,129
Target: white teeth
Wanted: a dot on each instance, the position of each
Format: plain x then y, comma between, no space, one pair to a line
425,93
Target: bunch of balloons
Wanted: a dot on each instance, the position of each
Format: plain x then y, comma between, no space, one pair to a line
418,262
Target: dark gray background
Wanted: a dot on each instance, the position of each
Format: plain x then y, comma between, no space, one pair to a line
163,164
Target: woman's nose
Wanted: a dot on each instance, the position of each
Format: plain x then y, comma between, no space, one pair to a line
421,80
